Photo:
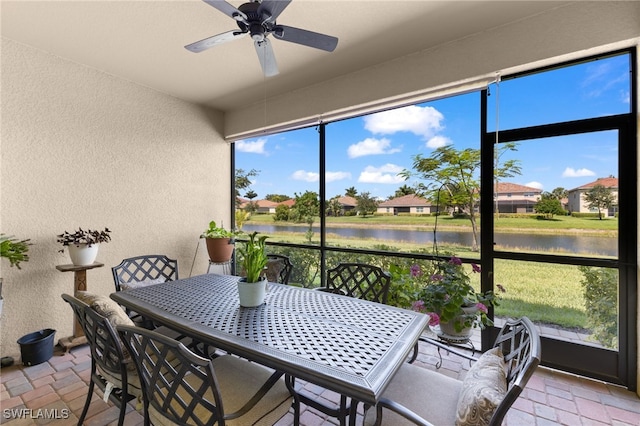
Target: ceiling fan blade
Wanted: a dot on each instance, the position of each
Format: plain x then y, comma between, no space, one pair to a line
226,8
267,58
306,38
209,42
272,8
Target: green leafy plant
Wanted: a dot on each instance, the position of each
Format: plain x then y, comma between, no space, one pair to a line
82,236
443,289
254,256
601,302
215,231
14,250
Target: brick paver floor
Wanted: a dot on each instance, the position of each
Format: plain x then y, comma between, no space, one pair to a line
58,388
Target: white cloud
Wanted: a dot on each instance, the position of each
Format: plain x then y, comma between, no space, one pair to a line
387,173
306,176
334,176
371,146
571,172
438,142
254,147
534,184
421,121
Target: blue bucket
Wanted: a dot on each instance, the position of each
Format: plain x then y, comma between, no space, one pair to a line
36,348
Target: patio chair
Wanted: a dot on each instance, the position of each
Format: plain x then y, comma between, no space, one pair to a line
279,268
417,395
359,280
196,390
144,270
111,366
139,271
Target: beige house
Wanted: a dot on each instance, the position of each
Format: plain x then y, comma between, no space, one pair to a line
410,203
108,121
514,198
577,201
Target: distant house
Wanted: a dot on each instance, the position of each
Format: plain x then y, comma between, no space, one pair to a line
514,198
411,203
577,202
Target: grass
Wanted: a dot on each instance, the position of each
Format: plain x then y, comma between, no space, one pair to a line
568,224
543,292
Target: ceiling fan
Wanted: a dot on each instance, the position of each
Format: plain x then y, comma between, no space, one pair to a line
258,18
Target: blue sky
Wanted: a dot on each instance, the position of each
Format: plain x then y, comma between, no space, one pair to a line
368,152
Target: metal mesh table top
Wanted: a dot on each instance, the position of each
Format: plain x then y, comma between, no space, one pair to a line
345,344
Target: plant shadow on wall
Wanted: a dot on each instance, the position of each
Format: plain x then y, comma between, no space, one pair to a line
443,290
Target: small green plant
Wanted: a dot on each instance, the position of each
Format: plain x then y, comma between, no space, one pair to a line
254,257
14,250
82,236
215,231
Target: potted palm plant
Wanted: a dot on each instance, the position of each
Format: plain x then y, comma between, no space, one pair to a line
83,244
220,243
252,288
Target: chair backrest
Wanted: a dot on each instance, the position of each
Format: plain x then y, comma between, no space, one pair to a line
359,280
279,268
177,384
106,348
520,344
155,267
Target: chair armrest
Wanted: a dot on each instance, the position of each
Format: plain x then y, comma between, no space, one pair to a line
399,409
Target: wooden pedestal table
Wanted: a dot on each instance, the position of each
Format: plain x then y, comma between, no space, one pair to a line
79,284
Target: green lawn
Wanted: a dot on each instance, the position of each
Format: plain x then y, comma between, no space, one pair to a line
568,224
545,293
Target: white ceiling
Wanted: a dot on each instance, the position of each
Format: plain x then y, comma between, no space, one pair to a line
142,41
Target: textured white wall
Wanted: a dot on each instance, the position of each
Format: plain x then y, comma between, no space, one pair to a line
82,148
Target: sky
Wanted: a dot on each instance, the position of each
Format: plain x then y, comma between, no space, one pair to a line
368,152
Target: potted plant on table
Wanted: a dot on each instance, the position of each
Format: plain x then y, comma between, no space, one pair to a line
83,244
220,243
252,288
443,290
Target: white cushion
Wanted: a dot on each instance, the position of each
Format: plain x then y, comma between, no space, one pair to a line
139,284
430,394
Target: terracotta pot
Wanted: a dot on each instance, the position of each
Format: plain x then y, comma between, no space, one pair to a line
220,249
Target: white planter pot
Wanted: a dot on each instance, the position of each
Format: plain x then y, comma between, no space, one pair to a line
83,255
251,294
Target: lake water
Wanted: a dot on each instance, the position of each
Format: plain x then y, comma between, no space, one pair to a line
573,244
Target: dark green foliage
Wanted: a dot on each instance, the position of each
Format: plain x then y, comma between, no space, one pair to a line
282,213
601,302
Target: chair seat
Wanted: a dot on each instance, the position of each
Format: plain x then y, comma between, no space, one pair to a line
439,407
238,380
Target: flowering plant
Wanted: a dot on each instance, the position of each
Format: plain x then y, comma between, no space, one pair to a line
443,289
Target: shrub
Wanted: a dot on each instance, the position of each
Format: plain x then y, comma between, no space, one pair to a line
601,302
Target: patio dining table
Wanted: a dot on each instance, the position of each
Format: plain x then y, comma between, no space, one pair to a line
347,345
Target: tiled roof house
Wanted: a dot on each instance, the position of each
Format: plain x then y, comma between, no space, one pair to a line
576,196
410,203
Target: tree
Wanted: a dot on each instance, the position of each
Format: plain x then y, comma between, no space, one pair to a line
548,205
599,197
365,204
334,207
560,193
351,192
251,194
508,169
242,181
277,198
307,208
282,213
403,190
